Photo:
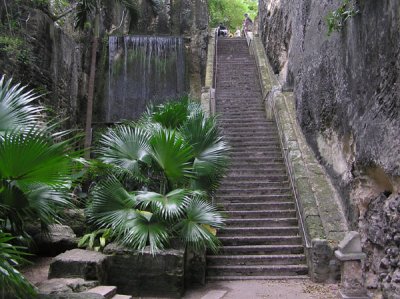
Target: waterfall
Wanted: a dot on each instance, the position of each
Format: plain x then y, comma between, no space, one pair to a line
143,70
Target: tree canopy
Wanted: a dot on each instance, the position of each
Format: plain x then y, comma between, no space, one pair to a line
230,12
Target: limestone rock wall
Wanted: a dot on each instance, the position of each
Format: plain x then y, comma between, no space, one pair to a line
185,18
347,91
51,63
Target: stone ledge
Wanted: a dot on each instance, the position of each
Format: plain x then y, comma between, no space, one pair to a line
323,218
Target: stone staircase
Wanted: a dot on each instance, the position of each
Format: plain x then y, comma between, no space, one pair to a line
262,238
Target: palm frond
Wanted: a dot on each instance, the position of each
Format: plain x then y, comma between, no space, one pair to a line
16,108
84,9
33,157
209,150
170,206
196,228
145,230
172,155
112,205
171,115
12,282
126,148
45,202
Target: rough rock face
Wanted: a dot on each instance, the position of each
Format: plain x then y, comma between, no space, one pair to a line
58,239
144,273
53,66
346,88
185,18
79,263
381,228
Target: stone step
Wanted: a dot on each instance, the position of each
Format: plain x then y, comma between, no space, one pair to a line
249,206
258,150
260,240
249,214
258,277
265,148
239,119
253,133
252,260
237,126
106,291
249,162
243,96
253,172
253,185
253,191
257,222
246,113
272,270
272,157
225,100
270,148
121,297
237,173
226,106
259,231
248,198
268,176
262,249
268,139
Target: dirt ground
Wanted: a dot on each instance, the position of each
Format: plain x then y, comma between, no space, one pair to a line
250,289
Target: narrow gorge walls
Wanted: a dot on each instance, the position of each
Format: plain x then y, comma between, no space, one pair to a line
347,91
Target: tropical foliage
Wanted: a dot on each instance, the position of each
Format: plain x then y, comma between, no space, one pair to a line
12,283
163,170
230,12
35,176
35,171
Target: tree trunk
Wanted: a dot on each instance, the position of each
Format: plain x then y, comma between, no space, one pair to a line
92,75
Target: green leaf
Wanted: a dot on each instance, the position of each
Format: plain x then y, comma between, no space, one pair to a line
169,206
172,155
112,205
126,148
16,109
194,229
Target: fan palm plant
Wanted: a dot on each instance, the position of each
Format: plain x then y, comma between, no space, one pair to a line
34,170
12,282
16,107
35,173
180,153
140,219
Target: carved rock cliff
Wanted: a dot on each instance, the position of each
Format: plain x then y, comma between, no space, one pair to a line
347,90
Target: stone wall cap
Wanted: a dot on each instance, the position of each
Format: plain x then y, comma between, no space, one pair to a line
350,256
351,243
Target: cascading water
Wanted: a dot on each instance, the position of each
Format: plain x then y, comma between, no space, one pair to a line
143,70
